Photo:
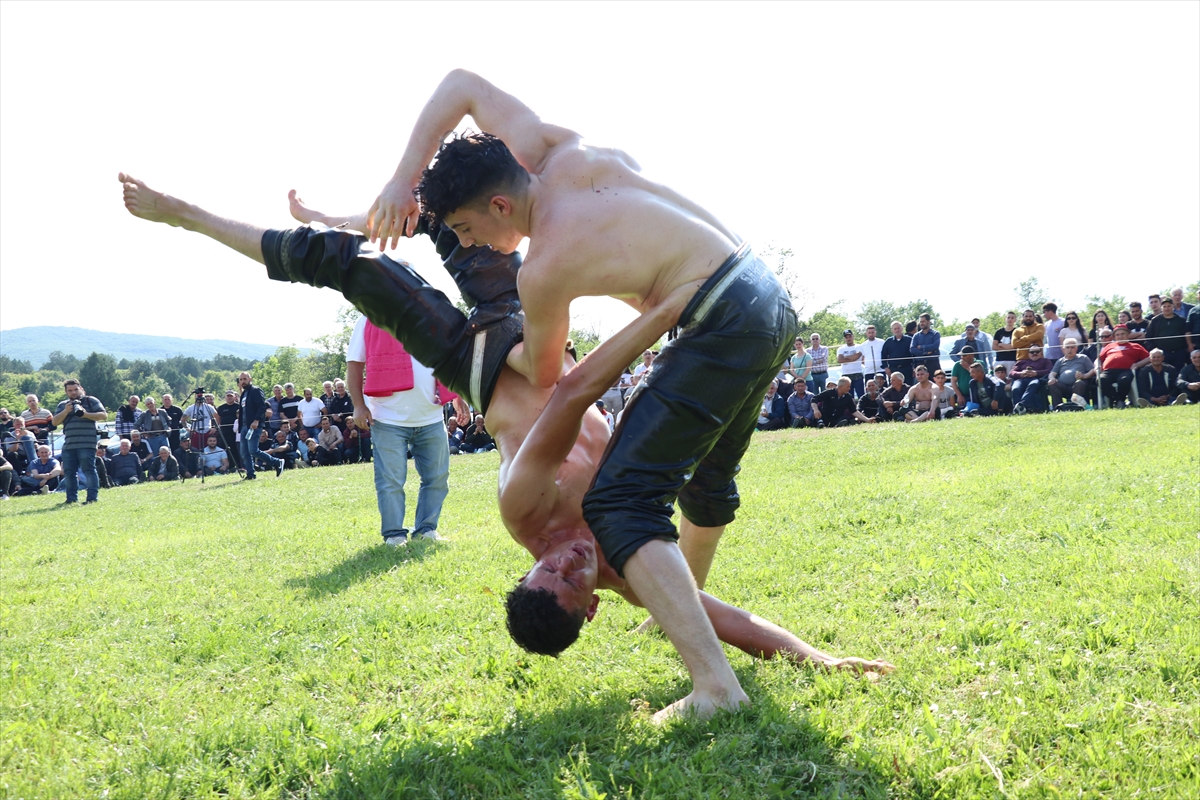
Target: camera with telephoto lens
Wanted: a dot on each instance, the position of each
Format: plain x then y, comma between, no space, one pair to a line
78,406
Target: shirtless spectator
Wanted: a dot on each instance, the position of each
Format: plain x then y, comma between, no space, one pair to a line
125,468
1002,341
329,444
920,404
477,439
37,419
1071,376
835,408
1188,384
127,416
800,406
892,399
773,414
216,462
1030,333
1157,380
163,468
986,396
1117,362
1029,382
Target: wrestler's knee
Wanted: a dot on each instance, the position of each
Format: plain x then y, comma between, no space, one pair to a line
621,527
709,504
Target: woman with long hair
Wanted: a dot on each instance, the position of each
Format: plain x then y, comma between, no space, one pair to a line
1073,329
1100,321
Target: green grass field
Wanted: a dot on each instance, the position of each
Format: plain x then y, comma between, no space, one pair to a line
1036,581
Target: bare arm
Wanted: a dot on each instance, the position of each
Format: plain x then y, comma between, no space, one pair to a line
354,385
460,94
547,323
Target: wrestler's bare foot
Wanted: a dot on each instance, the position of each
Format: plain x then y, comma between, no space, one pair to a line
144,202
870,670
303,213
648,626
696,706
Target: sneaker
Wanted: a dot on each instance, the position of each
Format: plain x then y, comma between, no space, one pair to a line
1019,408
1181,399
69,502
279,468
434,536
1143,402
396,540
90,502
44,490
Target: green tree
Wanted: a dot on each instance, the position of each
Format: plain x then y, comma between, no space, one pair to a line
98,374
63,362
14,365
585,340
279,368
1112,306
881,314
1031,295
829,322
330,363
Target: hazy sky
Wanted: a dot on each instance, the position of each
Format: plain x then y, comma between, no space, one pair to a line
903,150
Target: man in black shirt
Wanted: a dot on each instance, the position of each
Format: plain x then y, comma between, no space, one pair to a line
1138,325
1002,340
1168,332
870,404
341,406
188,459
987,393
835,407
897,354
228,413
175,414
289,404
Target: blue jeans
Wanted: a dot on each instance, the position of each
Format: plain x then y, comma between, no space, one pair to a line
248,447
1030,392
157,441
816,381
78,460
857,386
431,455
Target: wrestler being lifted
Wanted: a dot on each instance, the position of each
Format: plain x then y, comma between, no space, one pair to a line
547,459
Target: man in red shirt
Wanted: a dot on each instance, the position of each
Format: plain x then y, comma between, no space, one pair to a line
1117,362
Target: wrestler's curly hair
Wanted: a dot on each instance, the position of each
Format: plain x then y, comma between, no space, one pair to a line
468,168
538,623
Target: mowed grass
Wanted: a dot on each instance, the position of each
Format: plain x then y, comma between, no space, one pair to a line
1036,581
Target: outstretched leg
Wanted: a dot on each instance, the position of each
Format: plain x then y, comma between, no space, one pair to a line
301,212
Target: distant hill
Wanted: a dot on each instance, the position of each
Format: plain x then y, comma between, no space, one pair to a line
36,343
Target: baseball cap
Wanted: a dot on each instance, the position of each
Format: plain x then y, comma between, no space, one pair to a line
847,332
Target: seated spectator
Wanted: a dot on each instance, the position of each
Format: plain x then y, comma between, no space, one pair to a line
773,414
1117,362
1193,326
163,468
800,406
20,446
947,397
310,410
985,395
127,416
340,406
357,446
139,448
477,439
285,449
1029,382
102,463
216,462
155,426
1157,380
299,437
454,435
6,477
834,408
1001,373
960,374
329,444
891,400
188,459
921,402
43,473
869,403
312,459
125,468
37,419
1188,383
1071,376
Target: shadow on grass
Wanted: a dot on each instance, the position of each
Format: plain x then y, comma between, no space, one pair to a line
602,746
362,565
60,506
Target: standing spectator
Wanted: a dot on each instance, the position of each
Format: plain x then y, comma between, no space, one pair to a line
37,419
926,345
983,351
1157,380
289,405
800,406
216,462
850,358
1137,324
78,415
125,468
400,395
1182,309
1188,383
773,414
175,414
199,417
640,370
1073,329
892,398
986,395
799,366
329,444
187,458
872,350
820,363
163,468
960,375
275,409
835,408
1002,341
227,417
1100,321
127,417
253,415
1071,375
1053,325
1168,332
1029,382
1118,360
970,338
1193,325
477,438
1124,317
897,354
1155,305
326,397
155,425
43,473
310,409
1030,333
341,406
612,423
6,422
869,403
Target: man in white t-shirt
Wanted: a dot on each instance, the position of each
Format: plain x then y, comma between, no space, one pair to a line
850,358
400,397
310,409
872,350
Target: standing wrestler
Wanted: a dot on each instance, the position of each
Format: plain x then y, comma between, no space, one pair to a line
547,457
597,227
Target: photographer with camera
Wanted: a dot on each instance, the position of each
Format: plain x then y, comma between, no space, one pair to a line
78,415
199,417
